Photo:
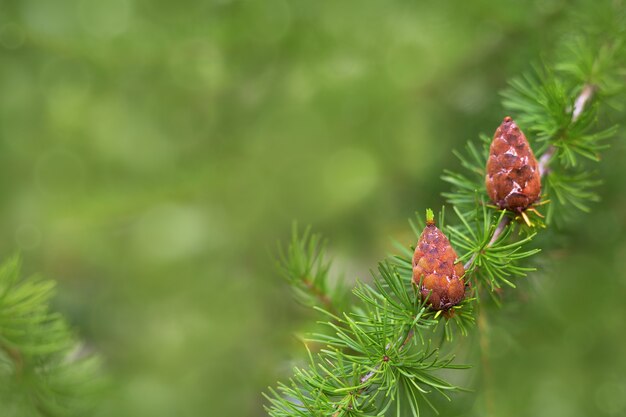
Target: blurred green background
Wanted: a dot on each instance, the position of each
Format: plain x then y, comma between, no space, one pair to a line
153,152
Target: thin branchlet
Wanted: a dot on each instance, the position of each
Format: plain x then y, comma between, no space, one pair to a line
579,105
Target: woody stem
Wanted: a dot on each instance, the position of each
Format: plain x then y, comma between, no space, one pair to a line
579,105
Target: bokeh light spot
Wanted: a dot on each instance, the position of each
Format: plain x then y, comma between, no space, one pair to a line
27,236
170,232
350,175
105,19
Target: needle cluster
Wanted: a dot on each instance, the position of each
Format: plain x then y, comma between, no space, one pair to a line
44,370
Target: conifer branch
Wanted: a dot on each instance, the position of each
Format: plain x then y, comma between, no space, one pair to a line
379,353
49,376
365,378
579,105
304,265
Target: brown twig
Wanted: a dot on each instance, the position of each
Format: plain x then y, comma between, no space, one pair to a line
16,357
321,296
579,105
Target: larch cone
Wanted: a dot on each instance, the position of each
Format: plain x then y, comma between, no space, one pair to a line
434,268
513,179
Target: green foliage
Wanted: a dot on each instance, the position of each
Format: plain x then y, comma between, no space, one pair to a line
545,104
548,104
542,102
304,265
567,191
584,62
468,188
494,258
44,370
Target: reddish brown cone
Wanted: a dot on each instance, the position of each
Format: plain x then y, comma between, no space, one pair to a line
433,264
513,180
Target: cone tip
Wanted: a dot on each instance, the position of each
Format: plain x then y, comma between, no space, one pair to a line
430,217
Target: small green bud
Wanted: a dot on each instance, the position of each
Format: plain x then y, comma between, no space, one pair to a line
430,217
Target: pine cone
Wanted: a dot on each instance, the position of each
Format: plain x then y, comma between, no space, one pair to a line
433,264
513,179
